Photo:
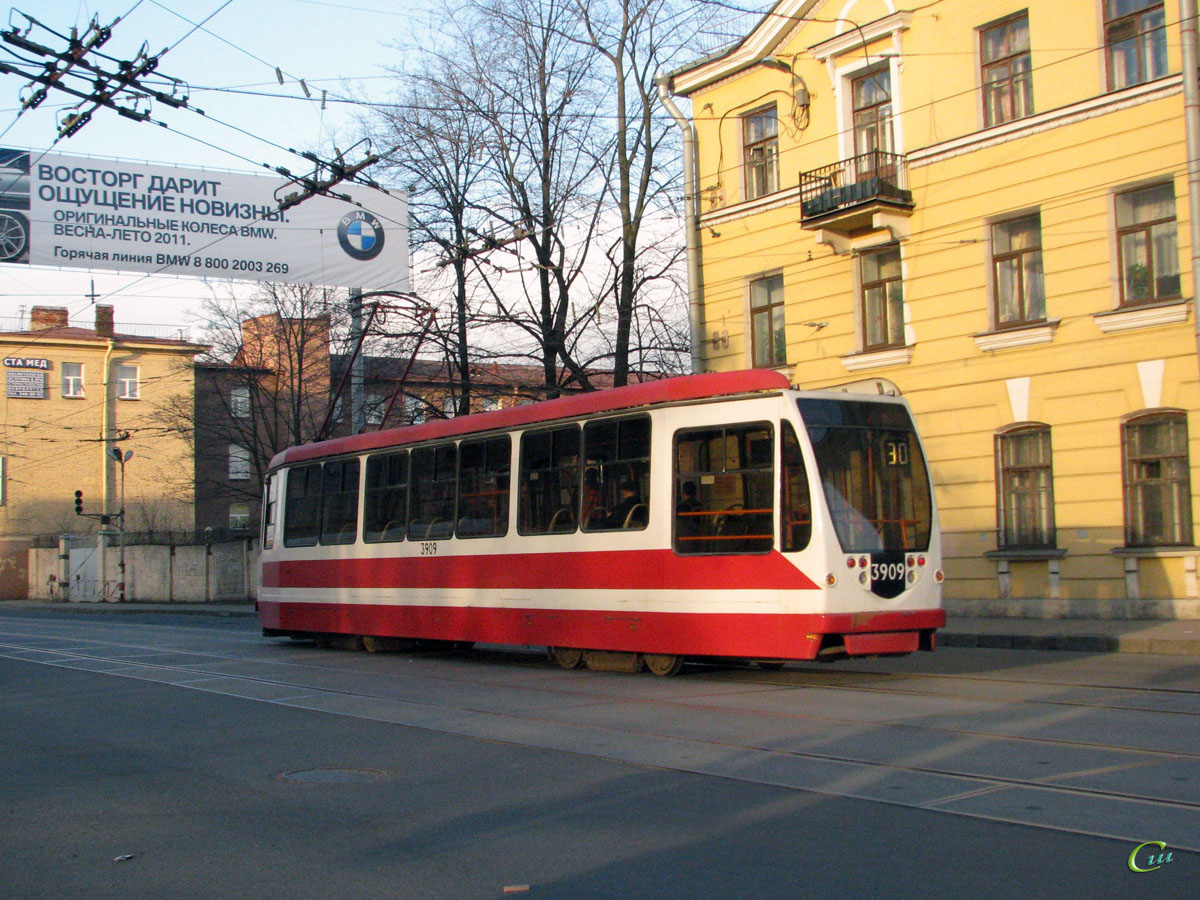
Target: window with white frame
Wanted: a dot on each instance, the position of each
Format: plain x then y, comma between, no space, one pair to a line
239,463
127,382
767,332
1025,488
239,515
414,410
239,402
1135,41
1158,494
881,304
1018,289
1007,72
72,379
1147,244
373,407
760,147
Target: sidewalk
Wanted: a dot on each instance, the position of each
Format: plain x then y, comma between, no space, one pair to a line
1179,637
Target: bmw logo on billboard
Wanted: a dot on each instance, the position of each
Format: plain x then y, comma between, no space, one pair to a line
360,234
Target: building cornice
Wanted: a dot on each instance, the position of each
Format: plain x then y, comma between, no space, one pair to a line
855,39
1082,111
34,339
776,24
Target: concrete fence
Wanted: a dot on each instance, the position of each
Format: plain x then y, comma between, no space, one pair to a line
79,570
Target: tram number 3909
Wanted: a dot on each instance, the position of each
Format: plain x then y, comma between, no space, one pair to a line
429,548
891,571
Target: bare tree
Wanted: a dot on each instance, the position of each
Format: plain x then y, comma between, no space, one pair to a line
439,157
262,387
636,39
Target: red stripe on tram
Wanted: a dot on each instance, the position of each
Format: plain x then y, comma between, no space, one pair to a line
594,570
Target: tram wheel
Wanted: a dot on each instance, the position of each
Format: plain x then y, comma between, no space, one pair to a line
768,665
373,644
567,657
663,664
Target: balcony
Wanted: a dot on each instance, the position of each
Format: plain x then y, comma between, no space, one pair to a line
847,196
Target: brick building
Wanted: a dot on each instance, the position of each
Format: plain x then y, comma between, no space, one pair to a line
277,390
72,396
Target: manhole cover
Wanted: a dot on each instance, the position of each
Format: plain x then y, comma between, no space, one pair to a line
333,776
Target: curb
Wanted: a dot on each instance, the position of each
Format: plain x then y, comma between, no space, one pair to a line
1078,643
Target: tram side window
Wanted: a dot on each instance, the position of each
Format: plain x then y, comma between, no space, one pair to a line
432,490
339,502
724,495
616,474
795,500
385,513
548,479
483,487
302,510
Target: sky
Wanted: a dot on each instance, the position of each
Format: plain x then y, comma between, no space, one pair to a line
343,47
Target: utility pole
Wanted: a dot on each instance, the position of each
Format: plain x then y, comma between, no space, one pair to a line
358,413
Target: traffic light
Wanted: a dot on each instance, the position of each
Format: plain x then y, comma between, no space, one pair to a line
79,503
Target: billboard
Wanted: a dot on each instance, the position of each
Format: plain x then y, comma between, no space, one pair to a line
58,210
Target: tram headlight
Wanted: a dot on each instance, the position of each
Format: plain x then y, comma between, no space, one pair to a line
830,579
939,576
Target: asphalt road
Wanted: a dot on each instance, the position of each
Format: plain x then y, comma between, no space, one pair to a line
177,759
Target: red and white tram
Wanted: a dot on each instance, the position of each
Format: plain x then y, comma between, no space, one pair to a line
717,515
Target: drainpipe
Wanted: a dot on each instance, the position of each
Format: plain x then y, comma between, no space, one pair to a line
1191,121
691,214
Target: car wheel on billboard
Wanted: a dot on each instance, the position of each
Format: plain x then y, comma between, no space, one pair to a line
14,235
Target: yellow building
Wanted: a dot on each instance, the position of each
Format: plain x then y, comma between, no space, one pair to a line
986,204
72,396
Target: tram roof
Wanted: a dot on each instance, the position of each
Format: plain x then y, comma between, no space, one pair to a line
634,396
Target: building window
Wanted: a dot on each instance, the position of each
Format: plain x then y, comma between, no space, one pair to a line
882,307
414,410
767,338
239,515
239,463
1007,74
1019,292
239,403
1024,488
760,142
1158,495
1135,40
72,379
872,95
127,382
1147,244
373,408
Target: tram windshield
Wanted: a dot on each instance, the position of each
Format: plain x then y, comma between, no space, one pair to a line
872,472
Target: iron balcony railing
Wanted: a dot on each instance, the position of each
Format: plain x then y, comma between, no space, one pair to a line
869,177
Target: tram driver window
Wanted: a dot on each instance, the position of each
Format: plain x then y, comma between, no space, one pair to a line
616,474
724,489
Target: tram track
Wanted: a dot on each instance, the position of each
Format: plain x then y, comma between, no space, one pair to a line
661,722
